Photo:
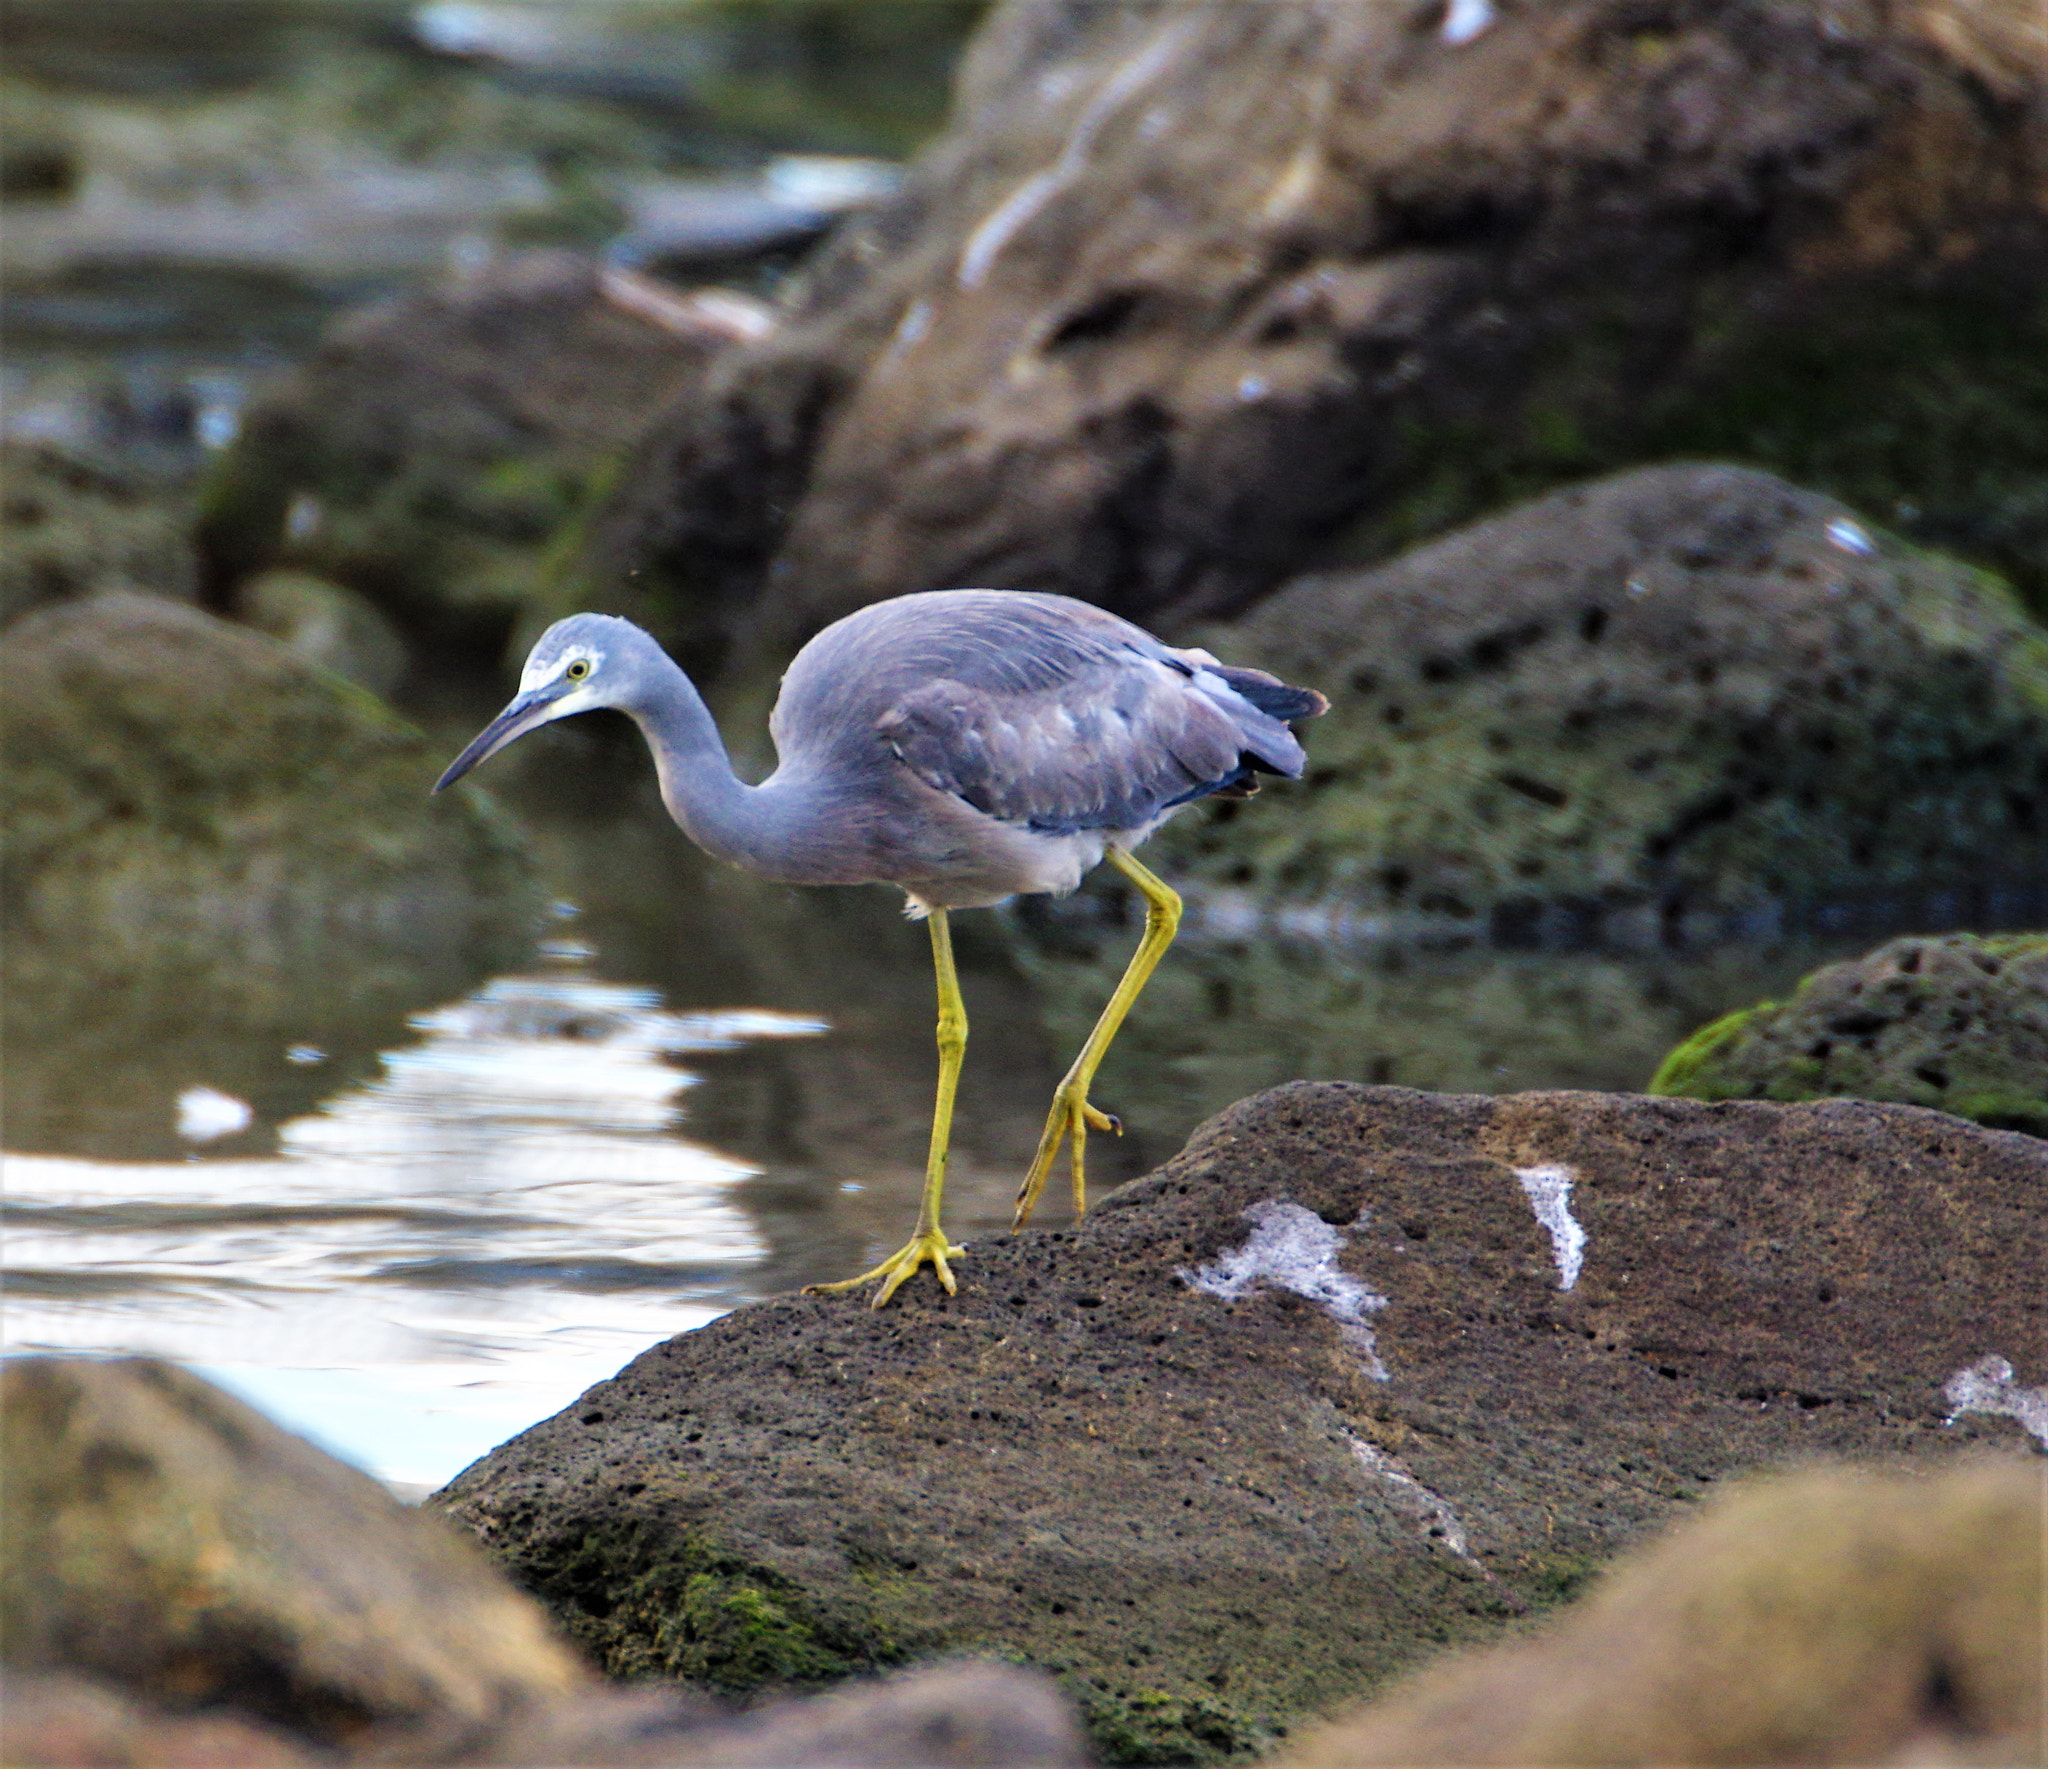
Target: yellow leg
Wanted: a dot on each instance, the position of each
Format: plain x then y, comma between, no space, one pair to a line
1072,1116
929,1243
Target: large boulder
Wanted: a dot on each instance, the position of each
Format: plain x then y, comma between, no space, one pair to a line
1958,1022
163,1536
1683,700
1361,1373
165,767
215,851
182,1582
1830,1617
430,449
76,527
1191,296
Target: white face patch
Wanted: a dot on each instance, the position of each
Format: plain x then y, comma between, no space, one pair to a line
538,675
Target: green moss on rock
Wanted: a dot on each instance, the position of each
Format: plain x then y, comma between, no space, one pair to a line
1684,696
648,1604
1959,1023
76,527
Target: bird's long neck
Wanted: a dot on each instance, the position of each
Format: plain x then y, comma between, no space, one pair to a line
758,827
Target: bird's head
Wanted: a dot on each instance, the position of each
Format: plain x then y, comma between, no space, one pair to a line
577,665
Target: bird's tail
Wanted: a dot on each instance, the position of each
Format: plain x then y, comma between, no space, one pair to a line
1272,696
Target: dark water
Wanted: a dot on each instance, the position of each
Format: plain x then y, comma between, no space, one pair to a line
411,1202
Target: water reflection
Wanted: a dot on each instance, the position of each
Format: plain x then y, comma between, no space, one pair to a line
500,1218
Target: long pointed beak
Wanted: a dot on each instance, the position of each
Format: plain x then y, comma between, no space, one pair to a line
526,712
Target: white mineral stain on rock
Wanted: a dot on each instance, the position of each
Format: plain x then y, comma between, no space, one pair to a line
1431,1510
1295,1249
1987,1386
1550,1195
205,1114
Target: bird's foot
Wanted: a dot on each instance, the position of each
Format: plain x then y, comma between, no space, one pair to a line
899,1267
1066,1126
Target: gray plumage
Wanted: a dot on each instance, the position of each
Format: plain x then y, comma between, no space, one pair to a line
964,745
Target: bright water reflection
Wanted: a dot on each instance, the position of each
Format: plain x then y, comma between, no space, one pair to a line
432,1260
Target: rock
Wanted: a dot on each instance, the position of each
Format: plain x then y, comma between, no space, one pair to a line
1138,334
1829,1617
184,1583
60,1721
331,627
1958,1022
76,527
174,781
1682,701
432,446
948,1716
168,1539
1220,1505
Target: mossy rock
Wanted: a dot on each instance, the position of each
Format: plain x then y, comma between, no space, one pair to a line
76,526
173,781
1685,699
1218,1511
1958,1022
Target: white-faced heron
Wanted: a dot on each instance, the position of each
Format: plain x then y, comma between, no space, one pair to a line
964,746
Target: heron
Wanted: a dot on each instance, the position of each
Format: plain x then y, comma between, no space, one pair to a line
965,747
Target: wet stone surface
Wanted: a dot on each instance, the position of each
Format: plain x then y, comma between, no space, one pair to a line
1182,1485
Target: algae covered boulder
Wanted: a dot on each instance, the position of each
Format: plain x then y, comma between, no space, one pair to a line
1361,1373
76,527
1683,699
1835,1616
434,444
1139,333
173,778
1958,1022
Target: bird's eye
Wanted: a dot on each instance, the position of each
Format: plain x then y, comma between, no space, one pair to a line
578,670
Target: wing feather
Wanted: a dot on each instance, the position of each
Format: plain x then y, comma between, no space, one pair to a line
1041,711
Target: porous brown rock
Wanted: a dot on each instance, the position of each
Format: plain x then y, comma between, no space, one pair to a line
1958,1022
1828,1617
1221,1504
1680,701
1190,297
